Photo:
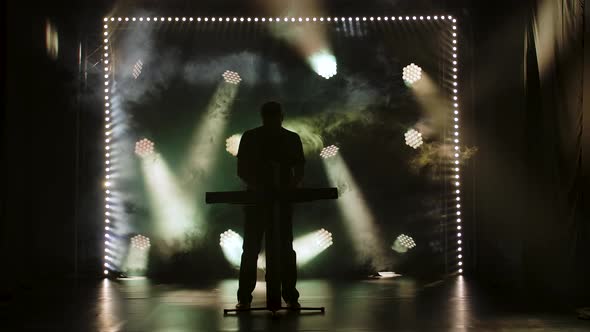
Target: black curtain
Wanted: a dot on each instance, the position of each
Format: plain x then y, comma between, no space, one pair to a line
530,228
555,248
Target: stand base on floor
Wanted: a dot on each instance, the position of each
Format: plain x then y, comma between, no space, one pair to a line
274,310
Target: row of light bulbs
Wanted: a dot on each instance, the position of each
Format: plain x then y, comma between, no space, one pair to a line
109,263
277,19
456,177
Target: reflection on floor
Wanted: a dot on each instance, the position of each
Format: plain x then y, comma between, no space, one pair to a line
395,304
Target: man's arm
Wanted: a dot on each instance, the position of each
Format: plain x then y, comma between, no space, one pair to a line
246,167
298,168
246,172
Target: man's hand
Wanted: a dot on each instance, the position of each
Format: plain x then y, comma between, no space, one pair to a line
297,179
295,182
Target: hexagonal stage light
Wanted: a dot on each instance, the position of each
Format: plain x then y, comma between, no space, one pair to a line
140,242
413,138
329,151
137,69
231,77
144,147
323,239
403,243
412,74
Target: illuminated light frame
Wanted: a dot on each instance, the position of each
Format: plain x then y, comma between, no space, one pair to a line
108,252
455,161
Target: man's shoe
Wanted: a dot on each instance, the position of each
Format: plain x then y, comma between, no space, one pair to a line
243,306
272,306
294,305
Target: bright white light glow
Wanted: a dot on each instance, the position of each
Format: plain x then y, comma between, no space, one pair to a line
231,245
232,144
388,274
323,63
309,246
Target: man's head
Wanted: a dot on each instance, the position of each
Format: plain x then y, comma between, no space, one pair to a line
272,114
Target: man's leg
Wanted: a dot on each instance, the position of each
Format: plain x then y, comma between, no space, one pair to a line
288,256
273,258
253,232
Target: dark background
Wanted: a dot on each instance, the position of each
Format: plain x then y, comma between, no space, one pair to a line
526,209
401,197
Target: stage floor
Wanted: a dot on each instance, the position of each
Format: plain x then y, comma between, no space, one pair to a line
399,304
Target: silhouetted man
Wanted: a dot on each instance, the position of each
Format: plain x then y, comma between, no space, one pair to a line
270,158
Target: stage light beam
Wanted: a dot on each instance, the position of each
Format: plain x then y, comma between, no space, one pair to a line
358,219
307,247
173,211
311,245
207,139
137,256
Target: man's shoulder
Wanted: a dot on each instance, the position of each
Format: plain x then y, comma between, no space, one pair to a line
290,133
262,133
252,132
